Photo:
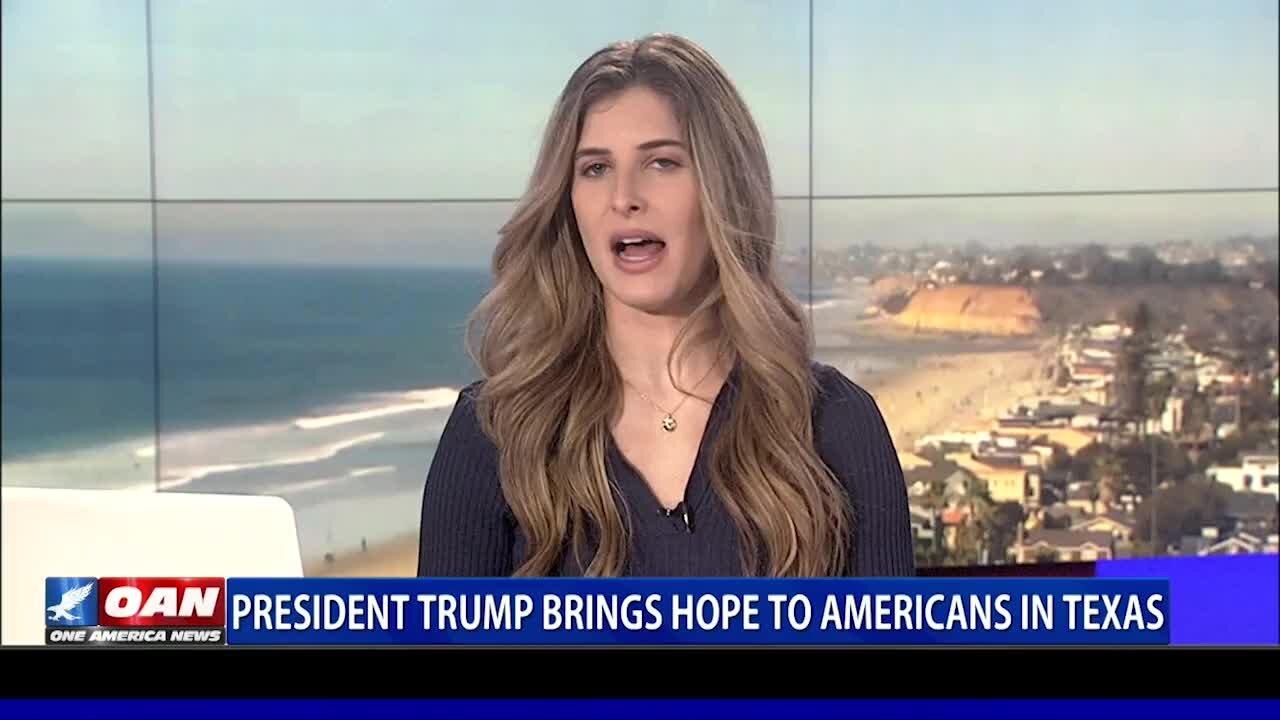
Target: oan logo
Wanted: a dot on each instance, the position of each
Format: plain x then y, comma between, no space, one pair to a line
161,602
70,601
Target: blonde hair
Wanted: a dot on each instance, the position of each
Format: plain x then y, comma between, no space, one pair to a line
551,386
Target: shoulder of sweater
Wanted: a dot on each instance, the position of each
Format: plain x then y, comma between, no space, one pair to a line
846,416
469,391
853,437
464,422
836,391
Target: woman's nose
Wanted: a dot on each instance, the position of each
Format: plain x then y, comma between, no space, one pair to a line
626,197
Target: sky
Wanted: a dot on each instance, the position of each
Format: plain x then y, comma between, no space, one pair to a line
433,100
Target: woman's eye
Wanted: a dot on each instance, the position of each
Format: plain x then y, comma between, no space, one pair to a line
666,163
593,170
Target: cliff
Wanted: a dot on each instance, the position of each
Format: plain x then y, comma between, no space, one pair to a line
889,286
983,309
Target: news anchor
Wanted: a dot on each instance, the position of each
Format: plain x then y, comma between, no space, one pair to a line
650,405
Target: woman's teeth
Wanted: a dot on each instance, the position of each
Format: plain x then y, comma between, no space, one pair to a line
628,243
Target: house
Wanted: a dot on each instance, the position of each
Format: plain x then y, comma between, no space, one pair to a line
1050,494
1238,543
1004,484
1091,372
1171,419
1034,496
952,441
1207,373
922,526
1064,546
1253,512
1097,352
1071,439
1098,394
1234,544
1080,495
911,461
1060,515
1005,459
943,478
1108,332
1224,414
1196,544
1120,526
1256,472
1043,454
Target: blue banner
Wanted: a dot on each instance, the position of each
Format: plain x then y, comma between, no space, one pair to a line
661,611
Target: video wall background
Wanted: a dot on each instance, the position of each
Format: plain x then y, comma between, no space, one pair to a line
240,240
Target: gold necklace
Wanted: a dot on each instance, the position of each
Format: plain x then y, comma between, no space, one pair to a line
668,419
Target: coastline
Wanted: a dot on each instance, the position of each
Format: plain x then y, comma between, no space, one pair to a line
394,558
952,392
955,380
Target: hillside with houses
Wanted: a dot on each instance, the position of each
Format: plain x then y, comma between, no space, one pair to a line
1141,440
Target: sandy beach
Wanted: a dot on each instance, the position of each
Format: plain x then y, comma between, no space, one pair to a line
398,558
937,392
954,392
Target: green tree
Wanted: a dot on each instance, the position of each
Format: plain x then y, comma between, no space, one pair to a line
967,548
1158,391
1195,413
1184,509
1002,532
1172,462
1109,477
973,543
1257,405
1132,366
1228,449
1081,465
1052,522
930,555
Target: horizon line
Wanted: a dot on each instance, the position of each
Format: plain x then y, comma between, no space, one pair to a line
496,200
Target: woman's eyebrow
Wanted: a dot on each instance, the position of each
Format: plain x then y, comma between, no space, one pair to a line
647,145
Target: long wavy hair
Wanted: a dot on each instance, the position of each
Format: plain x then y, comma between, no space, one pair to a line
551,386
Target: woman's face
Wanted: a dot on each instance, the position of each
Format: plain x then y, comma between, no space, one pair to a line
635,197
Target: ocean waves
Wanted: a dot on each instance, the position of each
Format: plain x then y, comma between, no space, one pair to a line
420,400
348,458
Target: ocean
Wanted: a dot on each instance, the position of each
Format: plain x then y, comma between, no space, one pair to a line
325,386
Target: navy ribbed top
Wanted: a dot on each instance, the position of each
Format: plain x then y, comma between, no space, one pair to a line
467,528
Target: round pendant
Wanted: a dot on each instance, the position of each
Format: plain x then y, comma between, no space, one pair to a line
669,423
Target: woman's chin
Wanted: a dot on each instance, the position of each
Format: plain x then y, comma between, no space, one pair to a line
652,301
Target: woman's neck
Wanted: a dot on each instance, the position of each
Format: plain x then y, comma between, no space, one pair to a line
641,342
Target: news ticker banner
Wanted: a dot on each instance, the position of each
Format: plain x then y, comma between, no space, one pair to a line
658,611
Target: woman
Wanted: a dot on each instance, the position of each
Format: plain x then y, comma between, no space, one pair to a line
649,404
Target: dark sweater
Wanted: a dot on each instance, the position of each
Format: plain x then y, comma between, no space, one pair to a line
468,529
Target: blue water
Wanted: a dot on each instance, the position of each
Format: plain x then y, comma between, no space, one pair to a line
77,354
236,343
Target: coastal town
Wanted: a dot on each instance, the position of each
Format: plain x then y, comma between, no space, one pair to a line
1144,425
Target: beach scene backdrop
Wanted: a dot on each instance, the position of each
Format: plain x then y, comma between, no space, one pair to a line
241,240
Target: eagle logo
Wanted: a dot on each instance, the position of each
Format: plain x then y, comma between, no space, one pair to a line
71,599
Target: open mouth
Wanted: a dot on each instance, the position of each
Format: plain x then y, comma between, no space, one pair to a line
637,247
